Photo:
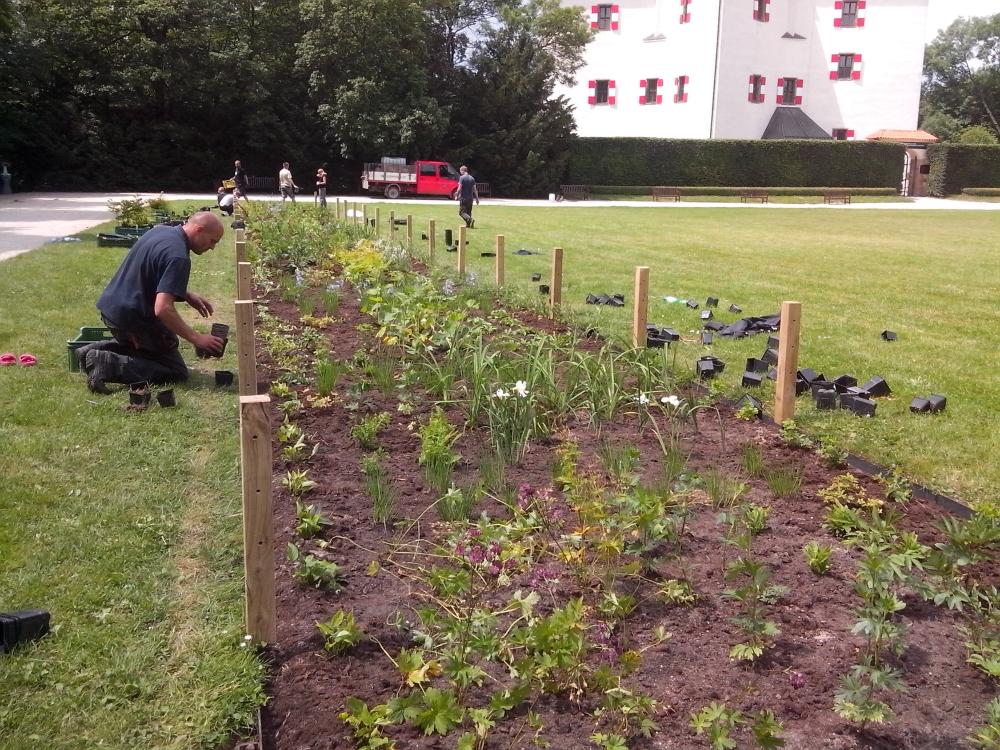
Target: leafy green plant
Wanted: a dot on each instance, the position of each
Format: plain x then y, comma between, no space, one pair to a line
747,412
367,723
896,487
793,436
987,736
831,453
609,741
297,482
817,557
310,520
340,632
456,504
843,521
718,722
130,212
298,451
437,438
313,571
366,431
846,490
620,462
564,470
755,517
752,459
378,487
676,591
750,595
512,420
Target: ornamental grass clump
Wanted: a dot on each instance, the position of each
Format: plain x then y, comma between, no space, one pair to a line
437,439
512,421
378,487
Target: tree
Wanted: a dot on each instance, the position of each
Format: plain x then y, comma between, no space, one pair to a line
962,72
941,124
976,135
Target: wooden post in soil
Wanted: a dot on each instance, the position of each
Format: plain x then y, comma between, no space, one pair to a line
378,221
241,246
245,347
431,242
409,233
258,555
392,225
244,281
640,306
788,358
364,215
555,283
461,252
499,266
354,214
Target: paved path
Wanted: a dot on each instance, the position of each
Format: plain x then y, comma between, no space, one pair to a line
29,220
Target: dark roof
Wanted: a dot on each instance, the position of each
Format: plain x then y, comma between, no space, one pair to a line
792,122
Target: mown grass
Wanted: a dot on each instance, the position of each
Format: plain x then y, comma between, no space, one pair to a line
126,527
931,276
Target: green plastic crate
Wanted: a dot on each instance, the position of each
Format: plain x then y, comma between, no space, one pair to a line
87,335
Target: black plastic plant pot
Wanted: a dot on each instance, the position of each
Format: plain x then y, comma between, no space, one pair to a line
847,401
937,402
770,356
706,338
592,299
843,382
919,405
423,236
451,249
822,385
877,386
712,302
543,288
863,407
670,334
223,378
826,398
748,400
619,297
752,380
692,304
756,365
139,398
487,255
614,301
449,237
857,392
166,398
809,375
735,309
772,374
22,626
713,325
536,277
888,335
655,342
772,342
705,368
719,364
706,314
801,386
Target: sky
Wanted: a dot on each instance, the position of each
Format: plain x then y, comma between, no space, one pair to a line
940,13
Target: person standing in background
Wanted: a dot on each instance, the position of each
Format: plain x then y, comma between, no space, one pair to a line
240,178
321,186
286,184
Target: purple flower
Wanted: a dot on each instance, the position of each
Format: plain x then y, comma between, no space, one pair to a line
495,549
460,549
473,533
494,569
796,680
477,555
525,494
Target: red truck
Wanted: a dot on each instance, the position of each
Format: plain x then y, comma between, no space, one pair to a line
394,177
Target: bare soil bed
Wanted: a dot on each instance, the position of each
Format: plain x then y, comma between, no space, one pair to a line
796,679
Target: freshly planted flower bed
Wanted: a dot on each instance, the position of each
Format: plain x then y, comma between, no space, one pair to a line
495,535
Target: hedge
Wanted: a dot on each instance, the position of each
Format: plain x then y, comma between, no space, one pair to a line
729,190
982,192
955,167
730,163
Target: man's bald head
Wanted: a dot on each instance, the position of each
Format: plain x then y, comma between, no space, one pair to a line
204,230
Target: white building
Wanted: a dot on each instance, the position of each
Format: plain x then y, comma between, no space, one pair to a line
740,68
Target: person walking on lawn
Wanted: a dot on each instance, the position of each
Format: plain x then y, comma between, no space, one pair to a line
286,183
466,194
138,307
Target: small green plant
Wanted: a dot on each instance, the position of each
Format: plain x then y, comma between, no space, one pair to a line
831,453
609,741
783,481
312,571
792,435
436,455
751,596
817,557
328,374
846,490
457,504
987,736
718,722
896,487
620,462
748,412
297,482
307,305
753,459
755,517
130,212
843,521
564,470
378,487
380,367
723,490
340,632
366,724
311,521
366,431
676,591
330,299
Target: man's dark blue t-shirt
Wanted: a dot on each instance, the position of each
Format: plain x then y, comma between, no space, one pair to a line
466,187
158,262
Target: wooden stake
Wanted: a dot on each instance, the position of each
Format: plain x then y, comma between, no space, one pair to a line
244,281
431,242
640,306
241,235
461,252
392,225
258,553
378,221
555,283
354,214
246,355
364,215
409,233
788,358
499,266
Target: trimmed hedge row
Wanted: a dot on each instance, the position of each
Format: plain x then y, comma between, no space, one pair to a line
982,192
955,167
664,161
718,190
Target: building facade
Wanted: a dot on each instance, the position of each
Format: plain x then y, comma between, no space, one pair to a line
735,68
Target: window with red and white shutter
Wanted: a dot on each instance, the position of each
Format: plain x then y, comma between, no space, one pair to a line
842,134
685,11
850,14
681,82
788,91
601,92
760,12
756,93
604,17
651,88
846,66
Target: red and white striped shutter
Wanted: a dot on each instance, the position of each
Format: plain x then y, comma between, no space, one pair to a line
856,70
850,133
766,16
614,18
763,82
659,87
677,82
835,59
781,90
592,99
799,83
642,87
611,88
838,5
685,16
593,16
861,19
687,80
750,95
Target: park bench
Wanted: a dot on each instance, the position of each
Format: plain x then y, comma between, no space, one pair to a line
484,189
667,193
574,192
270,184
753,195
836,196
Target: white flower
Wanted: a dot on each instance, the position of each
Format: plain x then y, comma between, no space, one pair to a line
501,393
643,399
521,388
671,400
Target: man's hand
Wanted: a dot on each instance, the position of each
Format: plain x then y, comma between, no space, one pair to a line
208,342
199,303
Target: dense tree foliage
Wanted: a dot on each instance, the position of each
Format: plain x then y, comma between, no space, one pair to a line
961,85
161,94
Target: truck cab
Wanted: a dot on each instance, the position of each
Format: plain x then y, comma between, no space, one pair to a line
393,177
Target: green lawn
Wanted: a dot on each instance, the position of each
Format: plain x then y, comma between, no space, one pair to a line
931,276
126,527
